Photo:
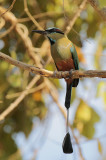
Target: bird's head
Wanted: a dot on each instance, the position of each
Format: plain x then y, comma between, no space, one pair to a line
53,34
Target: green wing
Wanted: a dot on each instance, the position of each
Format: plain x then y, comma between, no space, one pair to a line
75,57
76,63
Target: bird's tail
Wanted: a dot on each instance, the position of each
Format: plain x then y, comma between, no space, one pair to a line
68,95
75,82
67,145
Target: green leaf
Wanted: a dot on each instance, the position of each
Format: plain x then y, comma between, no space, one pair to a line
85,119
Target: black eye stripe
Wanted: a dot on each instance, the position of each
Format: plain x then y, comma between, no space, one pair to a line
54,30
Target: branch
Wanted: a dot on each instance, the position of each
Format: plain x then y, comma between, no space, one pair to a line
41,15
22,31
57,74
101,12
7,31
72,22
19,99
9,9
32,90
30,16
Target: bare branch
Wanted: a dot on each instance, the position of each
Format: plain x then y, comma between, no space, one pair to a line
7,31
100,11
19,99
57,74
30,16
41,15
9,9
32,90
22,31
72,22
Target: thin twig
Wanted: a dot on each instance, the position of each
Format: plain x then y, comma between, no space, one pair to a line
19,99
40,15
30,16
64,10
9,16
100,11
22,31
7,31
9,9
32,90
57,74
72,22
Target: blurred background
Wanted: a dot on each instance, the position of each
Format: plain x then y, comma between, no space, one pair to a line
36,127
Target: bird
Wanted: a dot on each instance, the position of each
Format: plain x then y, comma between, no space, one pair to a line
65,58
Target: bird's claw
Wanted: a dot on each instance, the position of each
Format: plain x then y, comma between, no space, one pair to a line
55,73
70,72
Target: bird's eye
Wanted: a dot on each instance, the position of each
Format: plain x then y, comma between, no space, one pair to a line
57,30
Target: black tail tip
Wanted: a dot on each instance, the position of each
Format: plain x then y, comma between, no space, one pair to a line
75,82
67,145
67,105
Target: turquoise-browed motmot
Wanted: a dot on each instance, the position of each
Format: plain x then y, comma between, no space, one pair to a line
65,58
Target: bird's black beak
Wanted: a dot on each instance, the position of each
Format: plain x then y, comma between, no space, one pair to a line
40,32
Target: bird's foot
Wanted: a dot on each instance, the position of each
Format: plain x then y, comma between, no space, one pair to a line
70,72
55,73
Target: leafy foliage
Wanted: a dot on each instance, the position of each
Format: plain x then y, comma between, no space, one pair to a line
85,120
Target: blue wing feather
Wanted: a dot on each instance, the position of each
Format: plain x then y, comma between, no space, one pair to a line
76,63
75,57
